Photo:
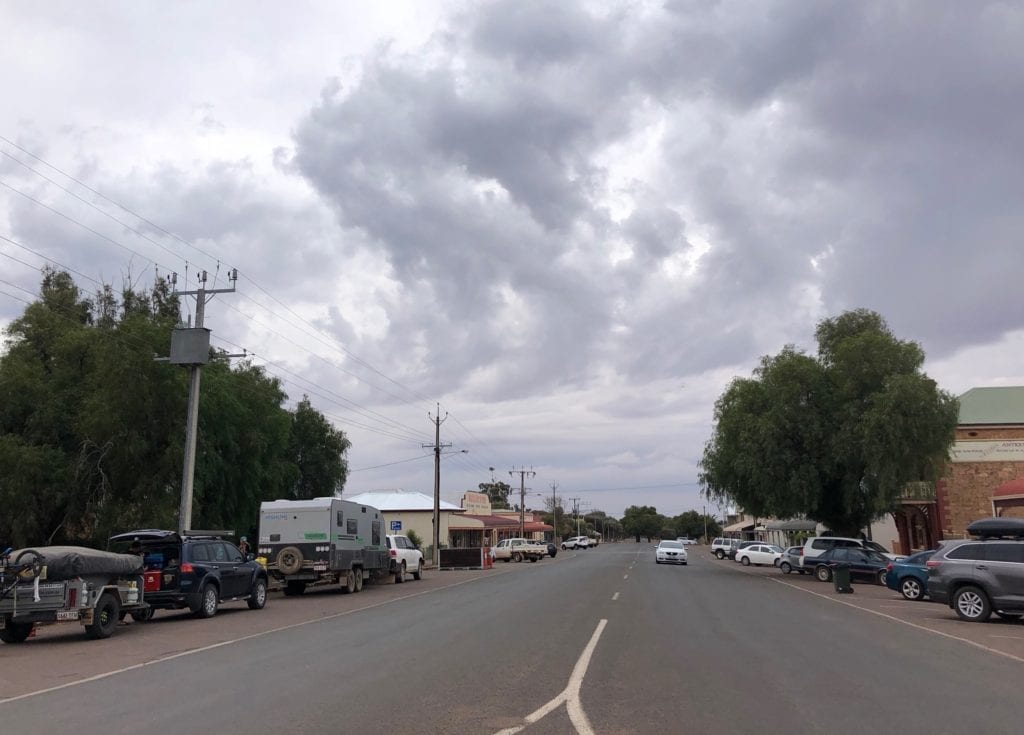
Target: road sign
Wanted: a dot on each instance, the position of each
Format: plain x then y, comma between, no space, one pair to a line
396,525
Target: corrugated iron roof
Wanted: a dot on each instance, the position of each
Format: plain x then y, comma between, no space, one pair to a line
992,405
394,501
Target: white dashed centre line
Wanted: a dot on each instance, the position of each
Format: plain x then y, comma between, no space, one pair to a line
615,596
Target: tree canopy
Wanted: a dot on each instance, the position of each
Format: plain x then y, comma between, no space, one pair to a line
643,520
92,428
833,437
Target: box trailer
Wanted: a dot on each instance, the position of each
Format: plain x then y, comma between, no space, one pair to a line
322,540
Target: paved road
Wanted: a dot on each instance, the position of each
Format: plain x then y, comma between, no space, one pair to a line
602,641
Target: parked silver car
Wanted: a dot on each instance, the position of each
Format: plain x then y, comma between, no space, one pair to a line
791,560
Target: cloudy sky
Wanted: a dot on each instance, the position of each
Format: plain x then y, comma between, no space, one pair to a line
570,224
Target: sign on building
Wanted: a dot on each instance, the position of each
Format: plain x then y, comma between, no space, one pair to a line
396,525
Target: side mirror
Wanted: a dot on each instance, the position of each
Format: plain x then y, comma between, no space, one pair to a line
250,557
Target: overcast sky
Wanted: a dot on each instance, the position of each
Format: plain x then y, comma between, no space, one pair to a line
568,223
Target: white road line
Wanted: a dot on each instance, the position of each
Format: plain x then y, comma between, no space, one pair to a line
104,675
625,576
615,596
1012,637
926,629
570,695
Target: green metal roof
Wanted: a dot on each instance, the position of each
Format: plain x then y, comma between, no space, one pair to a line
998,405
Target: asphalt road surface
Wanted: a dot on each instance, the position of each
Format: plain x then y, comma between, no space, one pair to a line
599,641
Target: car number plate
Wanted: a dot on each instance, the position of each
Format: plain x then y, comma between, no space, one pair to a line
319,567
67,615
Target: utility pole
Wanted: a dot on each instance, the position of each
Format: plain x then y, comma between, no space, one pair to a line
554,514
522,472
437,446
576,513
192,347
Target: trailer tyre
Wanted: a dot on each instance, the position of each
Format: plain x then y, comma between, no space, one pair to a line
359,579
104,617
16,632
350,582
289,560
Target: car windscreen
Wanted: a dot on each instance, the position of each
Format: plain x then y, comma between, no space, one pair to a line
670,545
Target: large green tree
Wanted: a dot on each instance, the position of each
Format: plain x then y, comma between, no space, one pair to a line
643,520
318,451
92,427
498,493
834,437
692,524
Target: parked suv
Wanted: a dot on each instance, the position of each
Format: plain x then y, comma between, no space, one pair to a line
405,558
722,547
816,546
576,542
198,570
979,576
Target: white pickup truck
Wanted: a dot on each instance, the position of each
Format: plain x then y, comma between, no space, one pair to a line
518,549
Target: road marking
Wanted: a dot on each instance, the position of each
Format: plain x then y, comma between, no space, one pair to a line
1012,637
134,667
570,695
615,596
625,576
926,629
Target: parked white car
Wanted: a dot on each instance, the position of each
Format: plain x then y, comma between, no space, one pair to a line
687,541
405,558
576,542
759,554
670,552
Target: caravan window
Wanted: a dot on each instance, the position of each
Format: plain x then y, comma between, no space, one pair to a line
376,533
339,523
353,526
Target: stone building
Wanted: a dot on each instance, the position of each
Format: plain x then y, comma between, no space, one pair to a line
984,476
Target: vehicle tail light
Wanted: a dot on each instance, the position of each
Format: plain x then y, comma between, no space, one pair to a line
888,567
72,597
186,568
932,563
393,552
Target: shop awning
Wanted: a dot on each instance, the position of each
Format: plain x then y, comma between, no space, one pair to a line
532,526
797,524
739,527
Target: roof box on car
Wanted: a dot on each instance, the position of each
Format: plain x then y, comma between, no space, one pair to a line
997,527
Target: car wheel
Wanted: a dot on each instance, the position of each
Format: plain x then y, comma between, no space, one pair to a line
823,573
208,602
400,574
745,561
517,557
971,604
16,632
911,589
418,574
785,567
141,616
657,561
258,599
1009,616
720,555
881,576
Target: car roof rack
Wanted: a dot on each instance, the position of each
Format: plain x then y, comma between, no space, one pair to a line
207,534
997,528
